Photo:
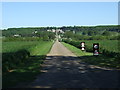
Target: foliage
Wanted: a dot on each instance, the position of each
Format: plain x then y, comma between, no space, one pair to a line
113,28
35,33
91,32
91,36
106,33
83,30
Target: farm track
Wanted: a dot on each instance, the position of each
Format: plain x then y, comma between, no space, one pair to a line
63,69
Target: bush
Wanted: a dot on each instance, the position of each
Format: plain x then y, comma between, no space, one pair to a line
12,60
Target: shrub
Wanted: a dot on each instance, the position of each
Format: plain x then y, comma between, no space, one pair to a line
12,60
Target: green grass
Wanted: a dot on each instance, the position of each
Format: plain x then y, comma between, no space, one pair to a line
17,45
28,71
42,48
77,51
109,45
100,60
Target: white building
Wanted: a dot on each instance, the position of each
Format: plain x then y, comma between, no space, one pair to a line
16,35
57,30
60,31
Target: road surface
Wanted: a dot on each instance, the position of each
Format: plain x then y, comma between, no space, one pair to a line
62,69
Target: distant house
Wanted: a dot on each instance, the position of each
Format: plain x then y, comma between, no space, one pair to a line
60,31
57,30
49,30
16,35
53,30
36,32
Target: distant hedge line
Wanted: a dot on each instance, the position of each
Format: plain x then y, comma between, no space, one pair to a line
6,39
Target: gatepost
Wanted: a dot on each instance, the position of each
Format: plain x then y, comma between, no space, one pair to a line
83,46
95,49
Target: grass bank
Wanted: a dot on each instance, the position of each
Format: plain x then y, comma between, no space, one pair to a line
76,51
101,60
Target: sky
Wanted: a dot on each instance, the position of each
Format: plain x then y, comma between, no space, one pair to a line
37,14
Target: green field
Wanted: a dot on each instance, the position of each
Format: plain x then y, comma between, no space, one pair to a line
28,45
19,68
17,45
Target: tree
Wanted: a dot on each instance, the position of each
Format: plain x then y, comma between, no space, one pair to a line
90,33
106,33
69,34
84,33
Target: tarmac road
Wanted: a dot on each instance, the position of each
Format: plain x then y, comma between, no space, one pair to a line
63,69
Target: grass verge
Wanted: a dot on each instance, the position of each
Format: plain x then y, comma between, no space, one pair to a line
76,51
28,71
100,60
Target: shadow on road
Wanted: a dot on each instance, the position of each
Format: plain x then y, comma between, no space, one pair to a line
71,72
22,72
65,72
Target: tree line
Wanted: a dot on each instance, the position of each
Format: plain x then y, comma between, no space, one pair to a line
74,32
92,33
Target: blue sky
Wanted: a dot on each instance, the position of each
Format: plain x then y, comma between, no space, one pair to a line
36,14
